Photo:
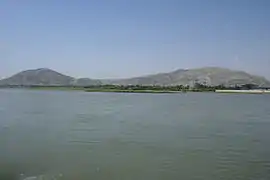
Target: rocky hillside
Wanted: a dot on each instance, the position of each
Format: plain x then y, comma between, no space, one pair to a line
46,77
86,82
40,76
211,76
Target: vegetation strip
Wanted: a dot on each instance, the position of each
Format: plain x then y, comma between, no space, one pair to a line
247,88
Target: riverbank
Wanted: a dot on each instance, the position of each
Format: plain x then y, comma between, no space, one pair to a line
255,91
130,91
138,90
58,88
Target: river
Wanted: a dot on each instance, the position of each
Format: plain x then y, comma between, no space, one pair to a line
74,135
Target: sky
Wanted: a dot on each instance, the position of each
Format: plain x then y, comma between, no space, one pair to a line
127,38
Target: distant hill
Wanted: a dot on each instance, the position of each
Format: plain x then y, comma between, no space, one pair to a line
211,76
46,77
86,82
42,76
153,79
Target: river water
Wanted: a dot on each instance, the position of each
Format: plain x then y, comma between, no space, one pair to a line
116,136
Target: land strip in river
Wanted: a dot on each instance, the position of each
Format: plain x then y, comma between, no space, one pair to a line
144,89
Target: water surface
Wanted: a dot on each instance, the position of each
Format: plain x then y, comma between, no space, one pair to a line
112,136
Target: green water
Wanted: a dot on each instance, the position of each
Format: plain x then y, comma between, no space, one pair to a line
115,136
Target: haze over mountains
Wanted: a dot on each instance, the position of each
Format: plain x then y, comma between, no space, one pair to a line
211,76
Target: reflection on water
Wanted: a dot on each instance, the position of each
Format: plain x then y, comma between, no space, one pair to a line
43,177
82,136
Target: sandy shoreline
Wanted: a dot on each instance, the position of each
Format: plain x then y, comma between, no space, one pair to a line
256,91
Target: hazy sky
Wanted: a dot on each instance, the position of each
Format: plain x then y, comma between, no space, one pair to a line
124,38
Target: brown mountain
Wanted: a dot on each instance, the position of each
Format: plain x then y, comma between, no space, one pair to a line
211,76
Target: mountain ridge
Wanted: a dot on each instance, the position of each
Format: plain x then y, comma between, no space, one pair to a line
211,76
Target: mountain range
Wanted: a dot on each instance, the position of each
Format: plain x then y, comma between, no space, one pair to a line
211,76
